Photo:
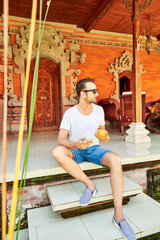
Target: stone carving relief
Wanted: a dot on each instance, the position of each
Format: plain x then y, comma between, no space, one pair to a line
9,53
53,46
12,98
10,85
1,38
14,101
121,64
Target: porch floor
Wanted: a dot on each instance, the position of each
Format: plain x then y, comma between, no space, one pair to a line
41,163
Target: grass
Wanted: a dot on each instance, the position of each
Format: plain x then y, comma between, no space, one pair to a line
152,237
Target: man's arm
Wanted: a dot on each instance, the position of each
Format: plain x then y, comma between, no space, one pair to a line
63,141
102,127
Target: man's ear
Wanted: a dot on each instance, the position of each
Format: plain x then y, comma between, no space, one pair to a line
83,94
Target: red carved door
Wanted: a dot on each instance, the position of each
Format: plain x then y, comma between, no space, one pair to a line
47,107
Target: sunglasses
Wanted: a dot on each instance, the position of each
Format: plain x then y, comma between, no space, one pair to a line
91,90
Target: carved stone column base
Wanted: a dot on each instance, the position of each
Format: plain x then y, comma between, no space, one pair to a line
137,133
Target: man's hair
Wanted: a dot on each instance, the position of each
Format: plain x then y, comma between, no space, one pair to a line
81,85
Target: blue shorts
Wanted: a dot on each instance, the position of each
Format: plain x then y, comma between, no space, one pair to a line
92,154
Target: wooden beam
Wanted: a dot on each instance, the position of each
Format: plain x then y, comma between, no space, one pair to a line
98,14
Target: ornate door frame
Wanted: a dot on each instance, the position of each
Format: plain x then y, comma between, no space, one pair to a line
120,65
55,47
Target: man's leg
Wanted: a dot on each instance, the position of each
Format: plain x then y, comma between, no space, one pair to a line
64,157
113,161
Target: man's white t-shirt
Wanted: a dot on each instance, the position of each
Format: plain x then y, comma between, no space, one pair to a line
80,125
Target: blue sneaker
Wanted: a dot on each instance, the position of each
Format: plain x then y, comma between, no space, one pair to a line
86,197
125,229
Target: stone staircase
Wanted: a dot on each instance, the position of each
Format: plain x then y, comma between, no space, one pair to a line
46,223
66,196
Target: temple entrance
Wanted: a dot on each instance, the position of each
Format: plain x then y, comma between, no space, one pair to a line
47,107
125,82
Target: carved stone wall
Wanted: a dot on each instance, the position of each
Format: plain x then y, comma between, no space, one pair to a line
10,84
54,47
121,64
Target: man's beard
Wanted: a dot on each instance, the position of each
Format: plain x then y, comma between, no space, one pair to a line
93,100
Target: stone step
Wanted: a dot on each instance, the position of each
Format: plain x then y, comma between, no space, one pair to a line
142,213
66,196
23,234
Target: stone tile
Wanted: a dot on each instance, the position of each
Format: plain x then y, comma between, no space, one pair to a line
101,183
143,213
43,215
66,229
23,235
61,194
146,197
33,233
139,198
100,226
129,185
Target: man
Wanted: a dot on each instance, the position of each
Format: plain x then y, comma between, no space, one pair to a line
81,122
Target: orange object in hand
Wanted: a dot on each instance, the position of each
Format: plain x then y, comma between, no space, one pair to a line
102,134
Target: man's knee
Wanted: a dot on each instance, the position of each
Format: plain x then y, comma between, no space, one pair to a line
60,152
57,150
116,162
113,161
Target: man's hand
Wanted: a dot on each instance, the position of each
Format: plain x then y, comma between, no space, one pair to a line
102,135
83,143
105,139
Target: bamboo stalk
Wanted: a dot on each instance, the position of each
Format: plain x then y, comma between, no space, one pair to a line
4,143
20,138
